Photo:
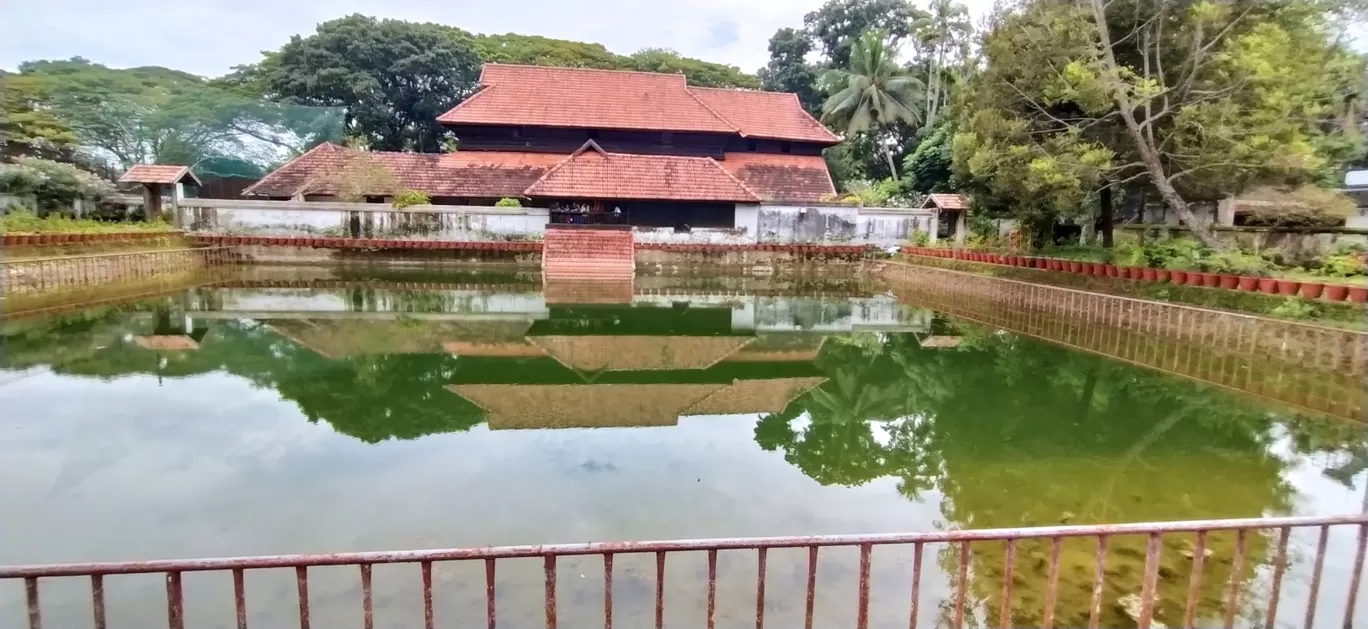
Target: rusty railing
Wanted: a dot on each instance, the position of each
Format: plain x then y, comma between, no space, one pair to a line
60,272
1173,587
1259,338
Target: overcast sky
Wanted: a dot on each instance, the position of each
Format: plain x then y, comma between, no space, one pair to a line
208,37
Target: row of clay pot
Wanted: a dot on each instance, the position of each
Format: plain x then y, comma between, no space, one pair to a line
364,243
723,248
1267,285
11,240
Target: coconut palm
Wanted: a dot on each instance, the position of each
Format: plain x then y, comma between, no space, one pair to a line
874,92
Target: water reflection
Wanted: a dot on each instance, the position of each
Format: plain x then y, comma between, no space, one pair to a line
901,418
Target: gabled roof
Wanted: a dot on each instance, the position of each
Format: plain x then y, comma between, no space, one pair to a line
159,173
947,201
592,173
585,98
757,114
521,406
639,353
780,177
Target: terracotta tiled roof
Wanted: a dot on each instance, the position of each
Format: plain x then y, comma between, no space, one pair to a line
637,353
592,173
948,201
777,115
754,396
159,173
781,177
460,174
585,98
521,406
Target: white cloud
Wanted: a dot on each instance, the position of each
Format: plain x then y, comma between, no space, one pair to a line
209,37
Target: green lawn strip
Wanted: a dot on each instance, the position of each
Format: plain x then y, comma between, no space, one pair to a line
1335,314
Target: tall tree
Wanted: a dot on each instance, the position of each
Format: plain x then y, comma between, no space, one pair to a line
838,24
943,36
875,92
696,72
26,126
1202,101
788,69
394,77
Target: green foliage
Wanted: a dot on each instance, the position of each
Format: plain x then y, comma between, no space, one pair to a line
1297,308
1344,265
1235,262
874,91
788,69
838,24
929,168
27,127
54,184
697,72
545,51
393,77
1304,206
408,198
883,193
508,202
29,223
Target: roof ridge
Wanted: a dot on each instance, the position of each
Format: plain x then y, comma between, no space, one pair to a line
734,178
680,75
484,89
818,123
712,111
527,192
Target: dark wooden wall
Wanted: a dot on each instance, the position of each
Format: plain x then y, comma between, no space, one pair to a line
555,140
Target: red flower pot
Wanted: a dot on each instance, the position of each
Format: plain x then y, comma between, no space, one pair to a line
1312,290
1099,269
1179,277
1148,274
1336,292
1358,294
1228,281
1163,275
1110,270
1211,280
1288,287
1268,286
1075,267
1248,283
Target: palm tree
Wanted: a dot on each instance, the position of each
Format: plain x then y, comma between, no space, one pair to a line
876,91
944,32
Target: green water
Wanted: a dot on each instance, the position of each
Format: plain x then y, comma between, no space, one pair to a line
469,411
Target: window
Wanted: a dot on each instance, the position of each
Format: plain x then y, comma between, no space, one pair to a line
751,145
786,147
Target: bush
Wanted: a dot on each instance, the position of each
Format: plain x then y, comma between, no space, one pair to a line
1236,263
1344,265
409,198
508,202
54,184
25,222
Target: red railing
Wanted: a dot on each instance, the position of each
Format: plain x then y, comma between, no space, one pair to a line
960,543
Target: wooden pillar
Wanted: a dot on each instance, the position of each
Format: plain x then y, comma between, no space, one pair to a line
961,226
151,201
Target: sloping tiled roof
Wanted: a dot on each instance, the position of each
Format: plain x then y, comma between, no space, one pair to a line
460,174
592,173
777,115
159,173
585,98
948,201
754,396
515,406
633,353
781,177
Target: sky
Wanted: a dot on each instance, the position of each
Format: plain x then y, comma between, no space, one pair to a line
208,37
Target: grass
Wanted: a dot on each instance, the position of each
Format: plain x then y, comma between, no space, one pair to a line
28,223
28,252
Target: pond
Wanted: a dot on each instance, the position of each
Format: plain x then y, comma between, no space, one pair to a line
369,412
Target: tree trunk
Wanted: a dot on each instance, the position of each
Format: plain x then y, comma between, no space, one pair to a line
892,169
1104,202
1149,153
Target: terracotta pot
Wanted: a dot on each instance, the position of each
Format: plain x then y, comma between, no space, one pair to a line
1163,275
1111,270
1148,274
1099,269
1179,277
1075,267
1228,281
1211,280
1358,294
1288,287
1248,283
1268,285
1312,290
1040,263
1336,292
